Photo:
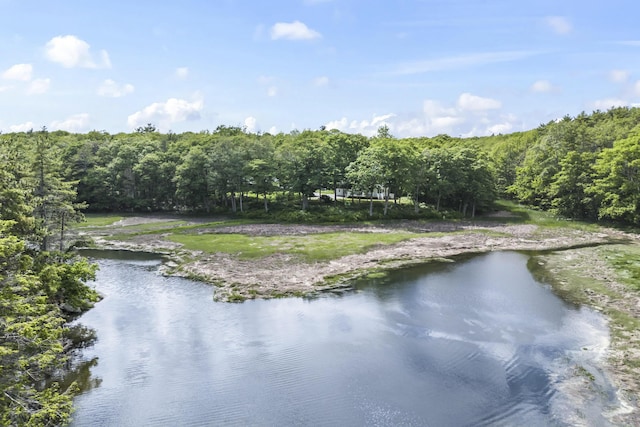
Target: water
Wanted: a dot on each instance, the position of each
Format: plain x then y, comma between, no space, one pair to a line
477,342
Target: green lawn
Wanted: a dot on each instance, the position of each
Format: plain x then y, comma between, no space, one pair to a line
311,247
99,220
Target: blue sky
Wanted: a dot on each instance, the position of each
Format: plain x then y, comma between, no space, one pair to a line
422,67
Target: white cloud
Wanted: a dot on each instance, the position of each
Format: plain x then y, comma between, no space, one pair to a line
295,30
446,123
462,61
5,88
431,107
321,81
106,61
39,86
462,118
250,124
619,76
182,72
23,127
469,102
18,72
500,128
341,124
272,91
378,121
111,89
559,24
163,114
76,123
605,104
71,52
542,86
364,127
273,130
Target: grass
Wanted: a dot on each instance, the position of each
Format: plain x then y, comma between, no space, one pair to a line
179,226
311,247
625,259
523,214
99,220
623,323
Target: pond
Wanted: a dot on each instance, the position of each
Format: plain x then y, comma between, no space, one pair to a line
475,342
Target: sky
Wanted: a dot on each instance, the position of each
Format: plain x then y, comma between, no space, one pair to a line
421,67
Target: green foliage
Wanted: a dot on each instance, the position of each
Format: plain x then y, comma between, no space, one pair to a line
302,164
32,329
573,166
570,189
618,181
192,180
584,167
36,205
53,197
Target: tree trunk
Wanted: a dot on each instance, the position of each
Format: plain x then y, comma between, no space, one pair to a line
386,201
241,207
233,202
266,205
416,201
305,202
371,204
62,232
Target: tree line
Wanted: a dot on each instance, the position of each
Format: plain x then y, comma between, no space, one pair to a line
583,167
230,169
586,168
40,284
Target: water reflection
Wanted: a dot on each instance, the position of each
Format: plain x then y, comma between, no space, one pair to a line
477,342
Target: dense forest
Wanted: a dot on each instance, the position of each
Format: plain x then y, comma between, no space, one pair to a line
217,171
585,167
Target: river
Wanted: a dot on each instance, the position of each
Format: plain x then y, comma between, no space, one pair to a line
475,342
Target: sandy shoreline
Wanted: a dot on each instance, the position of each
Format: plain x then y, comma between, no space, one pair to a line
281,275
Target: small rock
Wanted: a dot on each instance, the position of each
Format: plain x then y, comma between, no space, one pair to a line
70,309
